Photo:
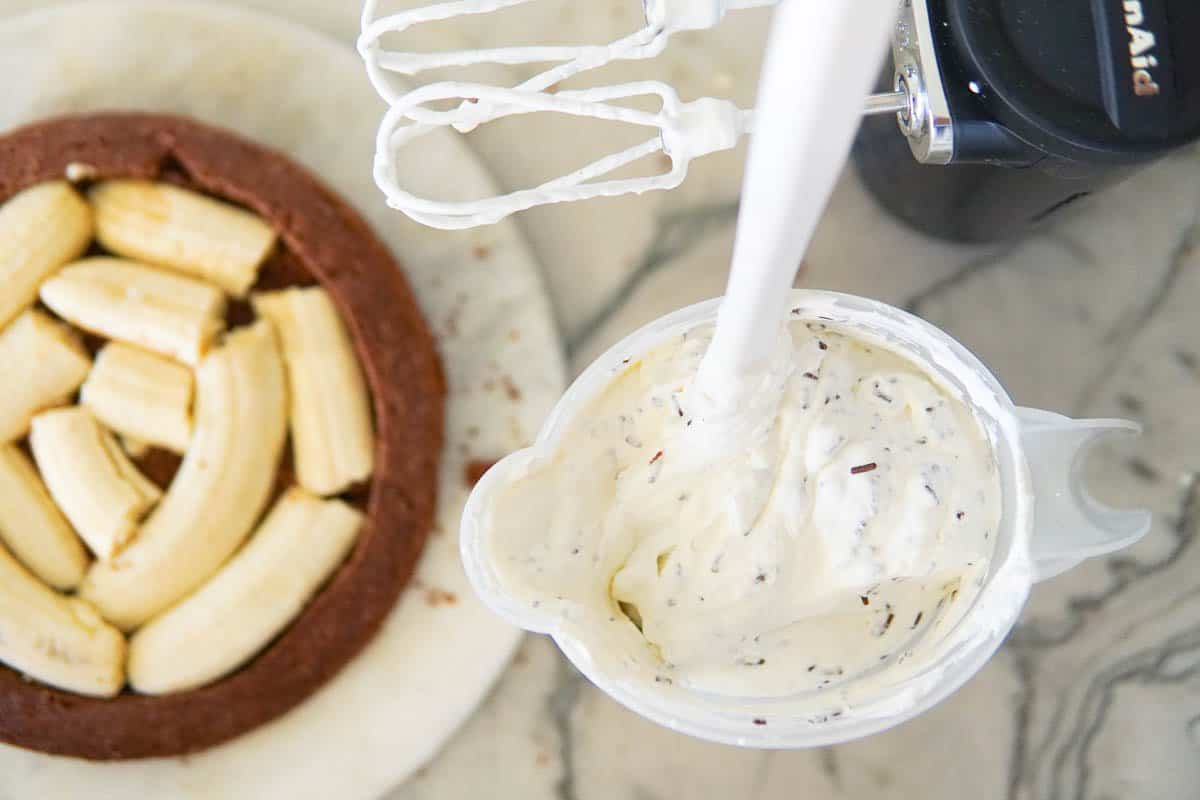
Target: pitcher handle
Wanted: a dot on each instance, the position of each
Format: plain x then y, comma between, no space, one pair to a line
1069,524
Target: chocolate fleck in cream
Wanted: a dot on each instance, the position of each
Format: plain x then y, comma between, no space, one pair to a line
322,240
474,470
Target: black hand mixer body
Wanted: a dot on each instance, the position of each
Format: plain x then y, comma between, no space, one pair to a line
1017,108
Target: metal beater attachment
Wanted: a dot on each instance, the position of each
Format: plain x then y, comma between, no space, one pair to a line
663,18
683,131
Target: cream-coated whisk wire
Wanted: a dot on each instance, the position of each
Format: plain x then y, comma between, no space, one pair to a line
663,18
684,130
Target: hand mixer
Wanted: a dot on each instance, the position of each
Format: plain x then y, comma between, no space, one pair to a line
1025,106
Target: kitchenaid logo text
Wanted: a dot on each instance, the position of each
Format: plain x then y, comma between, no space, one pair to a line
1141,42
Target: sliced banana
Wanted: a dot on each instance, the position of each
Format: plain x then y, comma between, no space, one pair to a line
219,491
60,641
41,228
177,228
90,478
140,395
244,606
330,414
33,527
147,489
42,363
136,303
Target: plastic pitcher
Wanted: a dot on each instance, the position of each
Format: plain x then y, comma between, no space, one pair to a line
1048,524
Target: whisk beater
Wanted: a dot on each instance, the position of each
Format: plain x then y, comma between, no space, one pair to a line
683,130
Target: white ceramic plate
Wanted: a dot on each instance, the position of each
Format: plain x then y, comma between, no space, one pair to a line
392,708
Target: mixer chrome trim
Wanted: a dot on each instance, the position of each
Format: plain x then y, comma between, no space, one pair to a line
926,121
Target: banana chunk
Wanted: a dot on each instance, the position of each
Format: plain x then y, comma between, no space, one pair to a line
136,303
41,228
330,413
43,364
219,491
140,395
90,477
32,526
251,600
60,641
183,230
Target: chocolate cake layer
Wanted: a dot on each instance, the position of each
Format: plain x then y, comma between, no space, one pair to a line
322,240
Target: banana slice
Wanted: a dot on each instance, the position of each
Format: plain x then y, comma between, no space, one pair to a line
43,364
136,303
330,413
186,231
90,477
140,395
236,614
60,641
32,526
219,491
147,489
41,228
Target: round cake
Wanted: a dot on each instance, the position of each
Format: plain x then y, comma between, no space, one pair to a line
320,241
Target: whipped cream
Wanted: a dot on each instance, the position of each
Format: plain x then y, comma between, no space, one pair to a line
833,523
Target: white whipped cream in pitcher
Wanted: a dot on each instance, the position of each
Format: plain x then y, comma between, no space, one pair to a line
876,598
855,512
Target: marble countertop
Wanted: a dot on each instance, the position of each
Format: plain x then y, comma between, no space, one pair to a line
1096,696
